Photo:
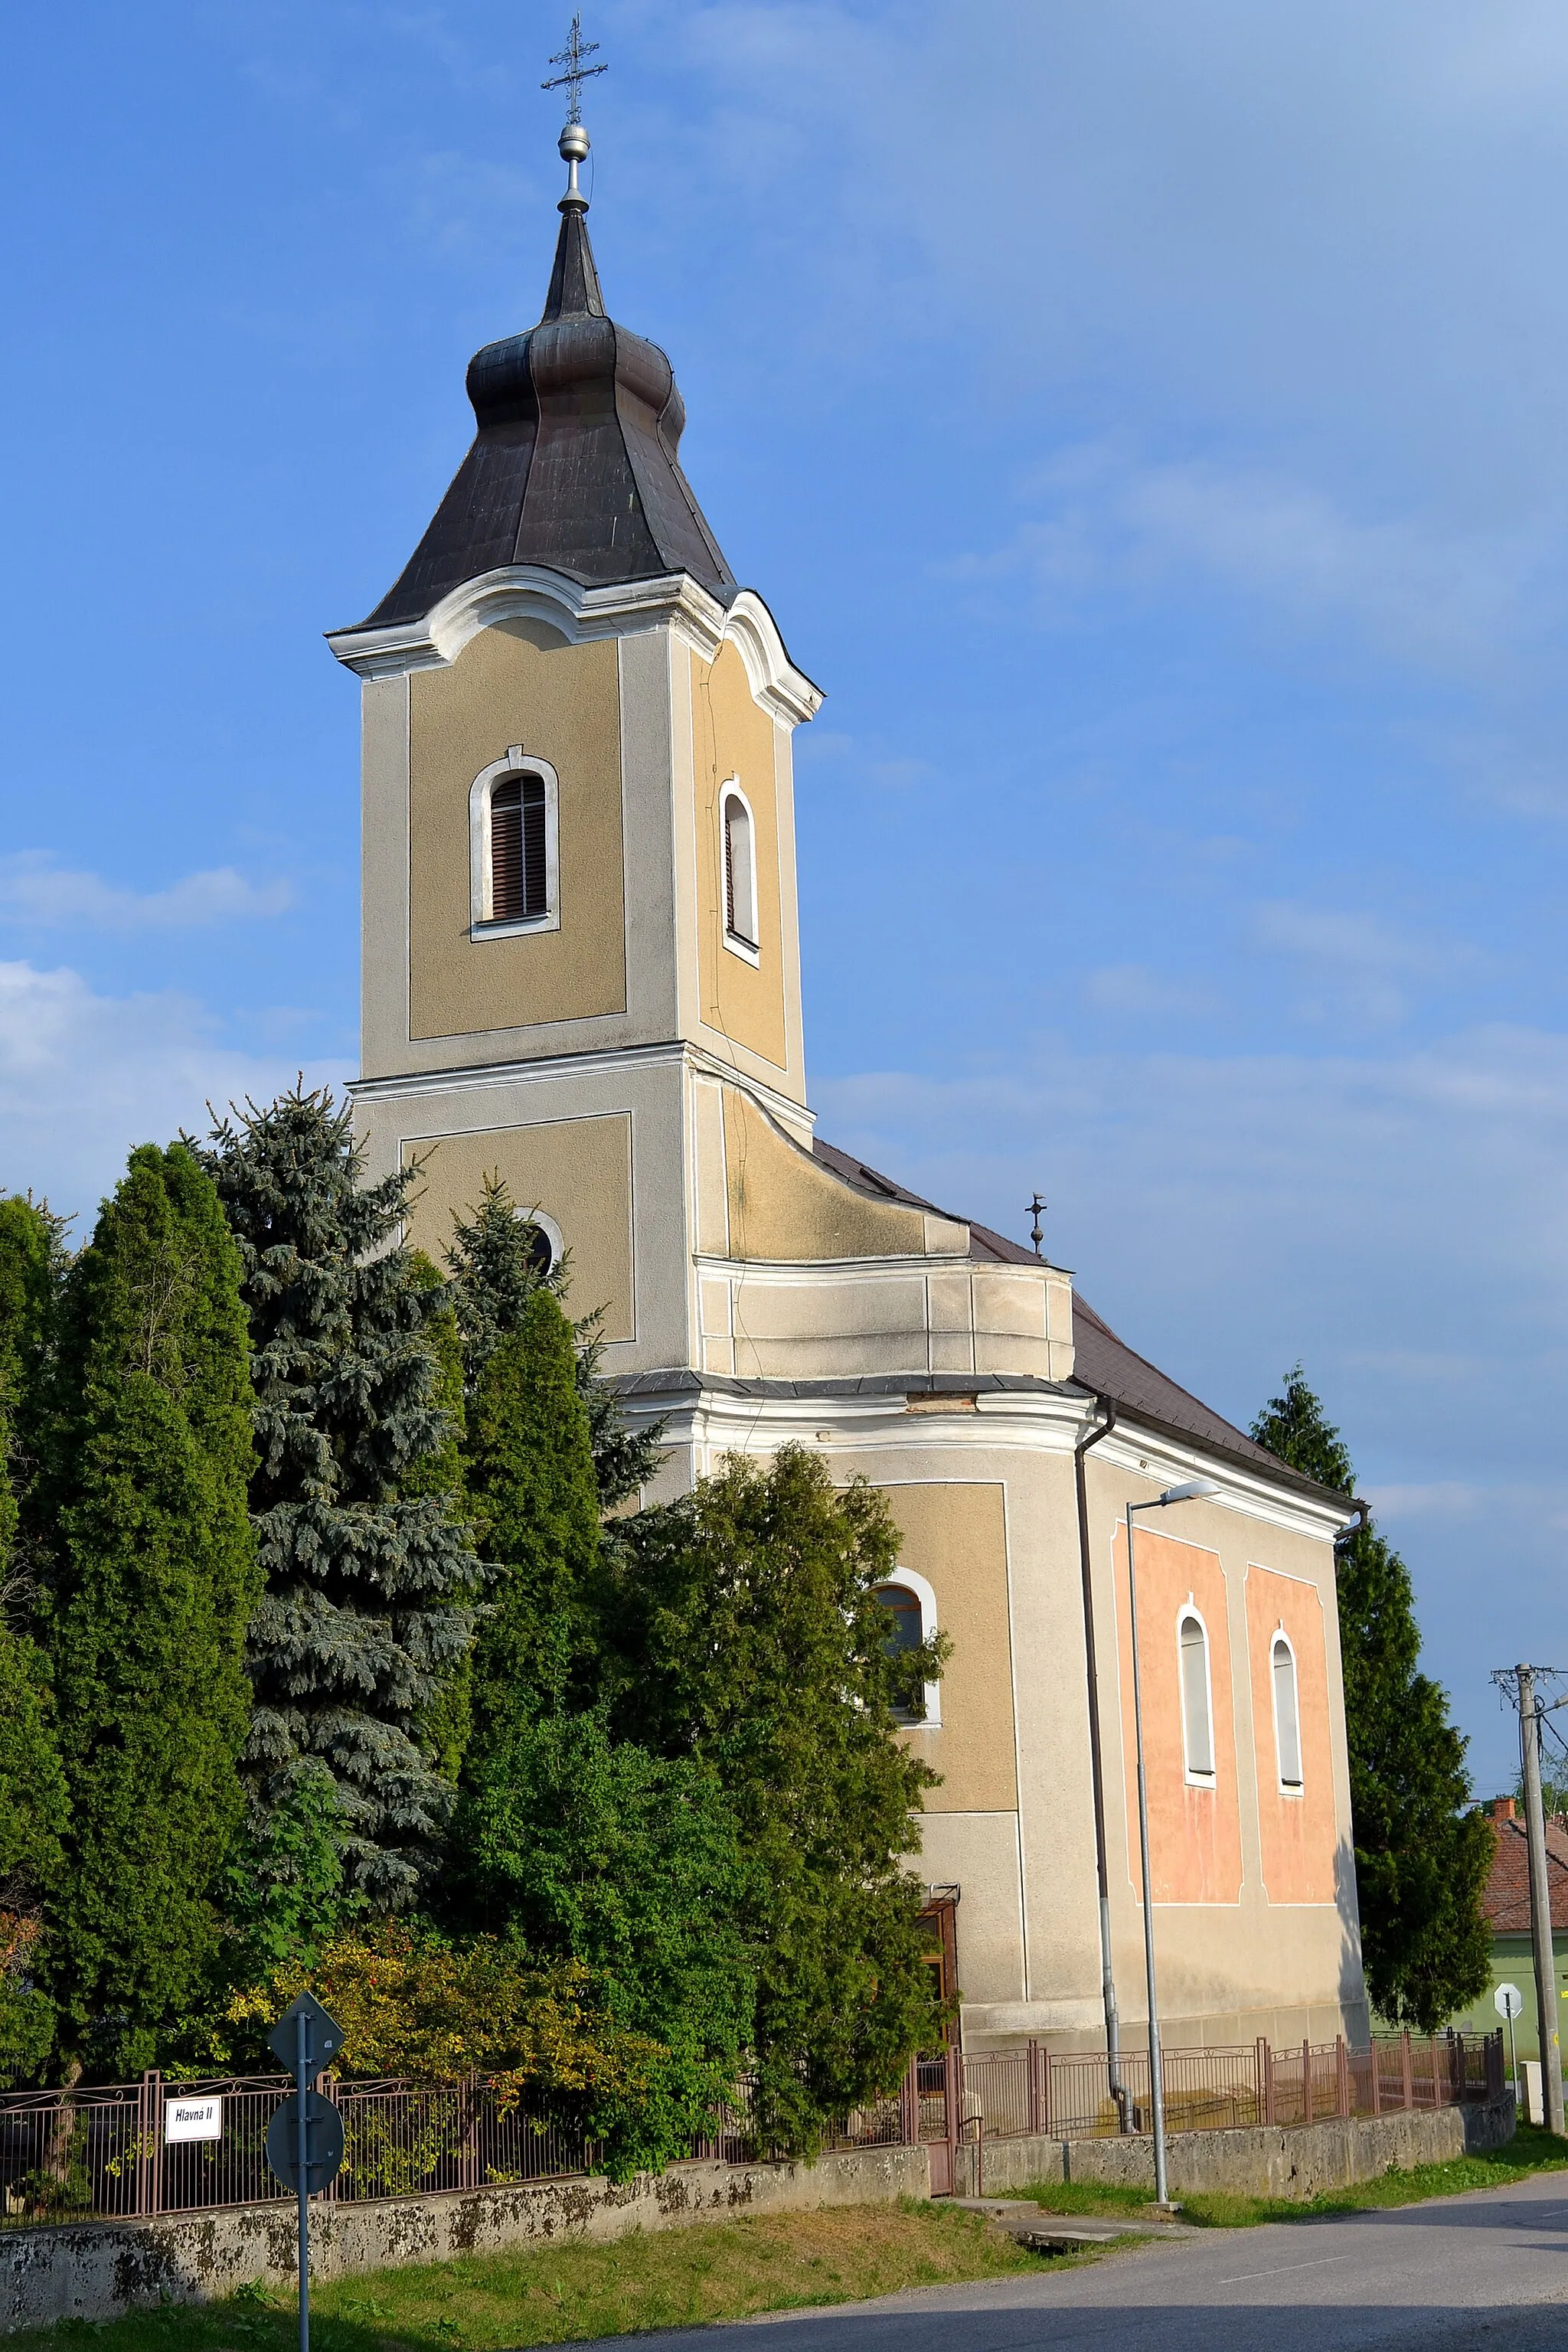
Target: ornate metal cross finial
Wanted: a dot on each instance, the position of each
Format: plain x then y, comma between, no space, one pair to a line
1036,1211
576,72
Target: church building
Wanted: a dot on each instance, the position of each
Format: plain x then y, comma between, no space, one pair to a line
582,970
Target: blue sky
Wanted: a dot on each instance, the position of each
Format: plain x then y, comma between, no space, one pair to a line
1147,420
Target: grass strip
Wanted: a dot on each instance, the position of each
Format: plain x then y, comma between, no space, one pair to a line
1531,2151
566,2291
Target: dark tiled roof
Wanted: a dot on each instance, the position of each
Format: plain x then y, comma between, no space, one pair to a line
1101,1361
574,466
1506,1899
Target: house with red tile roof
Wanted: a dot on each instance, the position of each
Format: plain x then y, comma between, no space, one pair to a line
1507,1906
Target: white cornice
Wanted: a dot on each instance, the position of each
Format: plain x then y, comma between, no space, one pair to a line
1034,1420
528,591
560,1067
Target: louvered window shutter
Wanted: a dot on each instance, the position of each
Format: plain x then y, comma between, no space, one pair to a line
507,886
535,869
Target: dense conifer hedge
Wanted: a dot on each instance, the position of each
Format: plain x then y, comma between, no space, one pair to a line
151,1581
1423,1853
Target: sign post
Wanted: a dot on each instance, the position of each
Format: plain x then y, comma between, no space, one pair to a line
1509,2001
305,2138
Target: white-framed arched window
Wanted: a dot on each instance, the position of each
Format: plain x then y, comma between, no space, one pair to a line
1287,1712
738,857
546,1248
911,1605
1198,1696
514,847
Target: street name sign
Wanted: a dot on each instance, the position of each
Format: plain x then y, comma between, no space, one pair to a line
192,2118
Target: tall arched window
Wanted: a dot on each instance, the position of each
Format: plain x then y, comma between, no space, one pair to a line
911,1605
1198,1712
514,846
739,872
519,887
1287,1712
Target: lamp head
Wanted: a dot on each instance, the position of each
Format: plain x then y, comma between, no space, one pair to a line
1191,1490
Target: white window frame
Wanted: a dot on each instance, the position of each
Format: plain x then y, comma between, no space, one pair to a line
749,951
481,924
911,1583
1286,1788
1194,1779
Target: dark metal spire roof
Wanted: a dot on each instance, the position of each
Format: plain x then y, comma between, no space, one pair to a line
574,466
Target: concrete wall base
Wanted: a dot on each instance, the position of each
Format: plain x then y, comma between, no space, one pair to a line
1307,2161
97,2270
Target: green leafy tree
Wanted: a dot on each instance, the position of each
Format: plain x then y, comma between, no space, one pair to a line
150,1585
748,1638
590,1849
371,1576
1423,1854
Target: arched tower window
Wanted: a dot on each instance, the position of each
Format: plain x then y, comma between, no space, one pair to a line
911,1605
1287,1712
518,887
739,858
1198,1712
514,847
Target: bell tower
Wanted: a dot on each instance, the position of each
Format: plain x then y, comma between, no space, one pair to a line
578,848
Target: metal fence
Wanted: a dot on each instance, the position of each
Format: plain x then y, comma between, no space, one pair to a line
1064,2096
109,2152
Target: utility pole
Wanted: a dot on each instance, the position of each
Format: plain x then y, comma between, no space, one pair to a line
1530,1714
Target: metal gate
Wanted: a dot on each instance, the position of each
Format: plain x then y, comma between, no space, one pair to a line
939,2103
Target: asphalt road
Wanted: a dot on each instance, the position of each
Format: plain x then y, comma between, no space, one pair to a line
1487,2270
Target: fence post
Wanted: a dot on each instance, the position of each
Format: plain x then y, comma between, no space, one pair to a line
952,2100
1046,2091
1432,2060
1341,2074
1408,2075
1032,2088
1268,2116
1376,2075
1309,2104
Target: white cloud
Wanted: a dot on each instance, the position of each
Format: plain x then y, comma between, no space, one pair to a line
42,895
84,1078
1426,593
1352,962
1136,992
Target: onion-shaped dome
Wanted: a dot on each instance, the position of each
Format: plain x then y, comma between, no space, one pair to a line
574,466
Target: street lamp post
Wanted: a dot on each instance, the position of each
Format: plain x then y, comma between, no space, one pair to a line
1190,1491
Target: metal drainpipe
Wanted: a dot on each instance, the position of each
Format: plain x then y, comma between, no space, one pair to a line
1107,1973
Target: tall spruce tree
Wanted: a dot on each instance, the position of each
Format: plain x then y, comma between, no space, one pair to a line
495,1264
371,1575
1423,1853
530,1475
151,1582
32,1784
748,1638
591,1849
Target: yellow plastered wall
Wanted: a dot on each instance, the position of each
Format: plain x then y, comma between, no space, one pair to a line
784,1205
516,683
578,1171
731,737
955,1536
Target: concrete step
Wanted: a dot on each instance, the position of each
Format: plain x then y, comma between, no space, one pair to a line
1045,2232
